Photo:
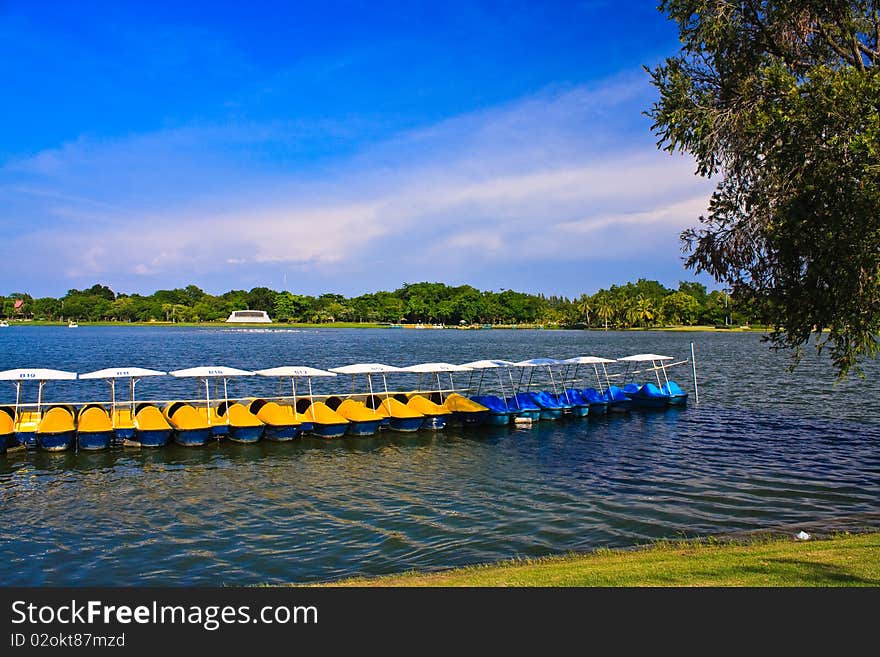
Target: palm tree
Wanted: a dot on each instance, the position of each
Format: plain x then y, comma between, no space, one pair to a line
585,306
643,310
605,309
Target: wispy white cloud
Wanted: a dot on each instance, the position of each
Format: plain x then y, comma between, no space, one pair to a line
571,174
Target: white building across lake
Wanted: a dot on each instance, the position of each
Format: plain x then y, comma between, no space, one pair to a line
250,316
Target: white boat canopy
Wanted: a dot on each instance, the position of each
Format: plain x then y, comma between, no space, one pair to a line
595,361
431,368
294,371
19,376
35,374
538,362
644,358
588,360
488,364
365,368
210,371
121,373
133,374
649,358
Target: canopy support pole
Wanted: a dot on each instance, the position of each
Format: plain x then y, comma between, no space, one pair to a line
208,401
513,389
226,399
694,370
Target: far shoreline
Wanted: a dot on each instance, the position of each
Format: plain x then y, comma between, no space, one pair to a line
374,325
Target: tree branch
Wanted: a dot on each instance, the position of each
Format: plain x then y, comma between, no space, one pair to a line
846,56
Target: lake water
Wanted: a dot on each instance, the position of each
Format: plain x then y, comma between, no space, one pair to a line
763,448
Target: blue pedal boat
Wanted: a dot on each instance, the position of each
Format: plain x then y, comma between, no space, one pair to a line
526,405
598,403
550,408
677,396
650,395
500,413
618,401
580,406
596,399
646,396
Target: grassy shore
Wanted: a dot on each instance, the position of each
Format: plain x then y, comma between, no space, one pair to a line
842,560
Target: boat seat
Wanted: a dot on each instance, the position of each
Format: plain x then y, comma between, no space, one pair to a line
394,408
184,416
56,420
94,419
523,401
276,415
27,421
240,416
333,402
148,418
212,414
459,404
122,419
425,406
7,426
320,413
356,411
494,403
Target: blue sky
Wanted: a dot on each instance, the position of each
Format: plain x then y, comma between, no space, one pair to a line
336,146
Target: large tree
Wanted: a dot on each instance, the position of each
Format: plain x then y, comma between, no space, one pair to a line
781,102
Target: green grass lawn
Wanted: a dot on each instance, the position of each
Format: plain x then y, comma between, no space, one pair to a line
844,560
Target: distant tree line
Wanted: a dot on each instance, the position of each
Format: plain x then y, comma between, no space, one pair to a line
644,303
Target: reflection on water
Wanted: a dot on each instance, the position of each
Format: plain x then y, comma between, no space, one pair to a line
764,448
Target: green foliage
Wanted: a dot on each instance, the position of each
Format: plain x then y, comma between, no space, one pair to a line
781,101
643,304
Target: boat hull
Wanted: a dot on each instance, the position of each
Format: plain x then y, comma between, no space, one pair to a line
469,419
93,440
129,433
245,435
55,442
153,437
550,413
329,430
192,437
363,427
497,419
219,430
580,411
283,434
405,424
645,400
599,408
26,438
434,422
678,400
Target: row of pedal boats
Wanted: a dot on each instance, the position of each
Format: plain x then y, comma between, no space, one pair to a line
100,425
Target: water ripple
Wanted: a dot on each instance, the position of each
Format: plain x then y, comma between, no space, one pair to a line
765,449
